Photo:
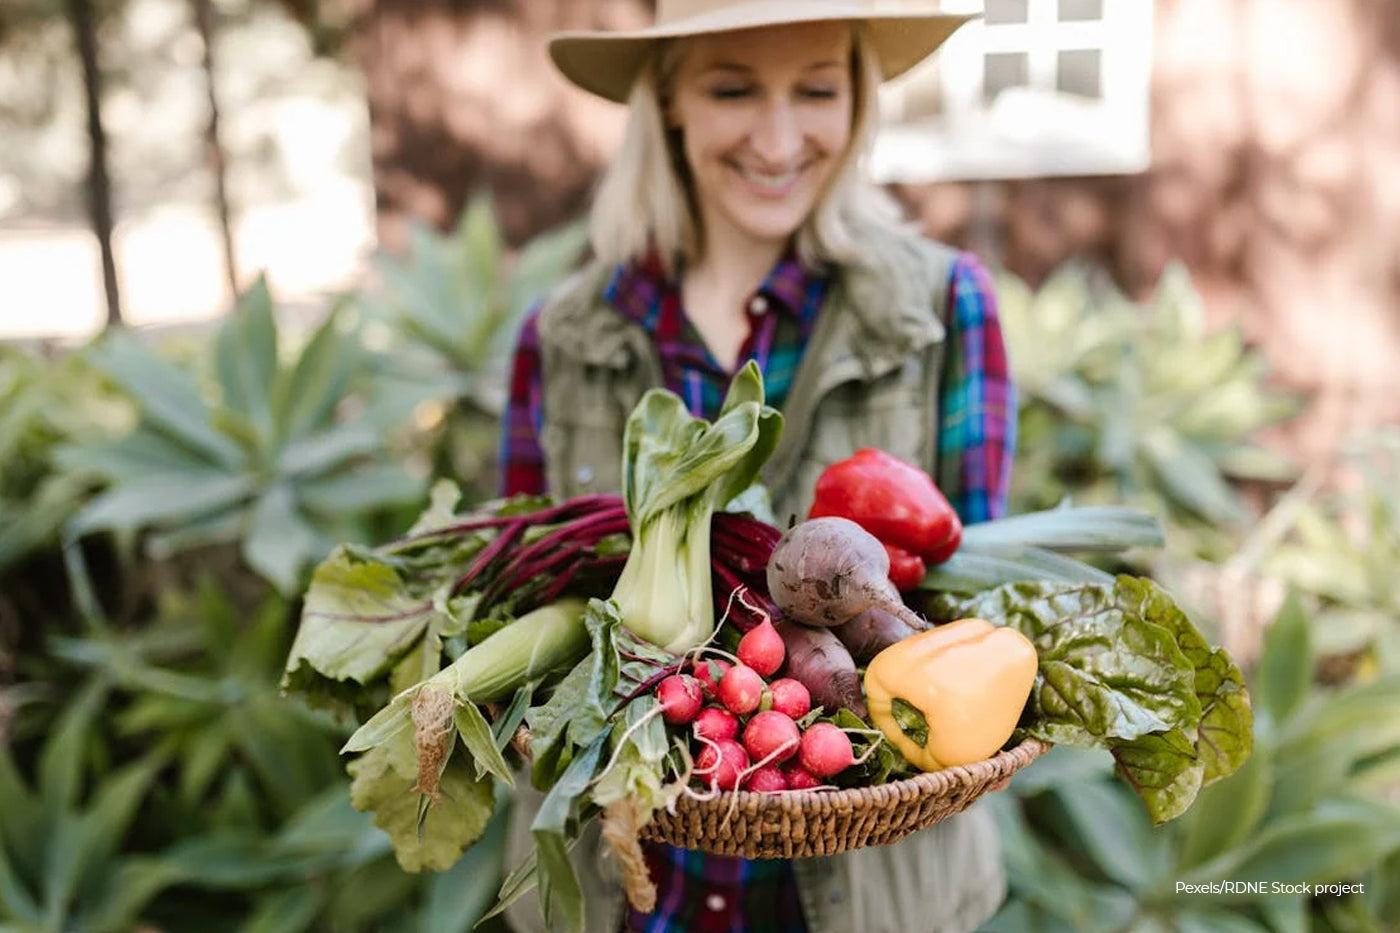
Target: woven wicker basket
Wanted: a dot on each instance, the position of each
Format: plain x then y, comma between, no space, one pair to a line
813,823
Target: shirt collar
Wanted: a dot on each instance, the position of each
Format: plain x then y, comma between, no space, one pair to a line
638,289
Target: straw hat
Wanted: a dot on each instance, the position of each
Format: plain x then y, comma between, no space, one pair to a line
606,63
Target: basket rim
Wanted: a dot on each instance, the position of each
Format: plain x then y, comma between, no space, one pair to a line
926,783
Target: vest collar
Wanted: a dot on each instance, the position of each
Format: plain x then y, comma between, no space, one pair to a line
888,303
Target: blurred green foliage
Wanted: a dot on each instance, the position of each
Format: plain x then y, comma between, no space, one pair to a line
284,457
447,314
1310,807
164,781
1138,403
1341,547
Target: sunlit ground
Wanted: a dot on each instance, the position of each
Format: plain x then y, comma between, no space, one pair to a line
170,265
295,132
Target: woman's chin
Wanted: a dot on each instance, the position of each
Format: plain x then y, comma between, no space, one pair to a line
775,224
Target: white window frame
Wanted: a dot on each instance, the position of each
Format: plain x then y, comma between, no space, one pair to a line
1028,132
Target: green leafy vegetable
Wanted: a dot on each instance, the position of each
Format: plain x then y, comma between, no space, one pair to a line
384,781
677,470
359,619
597,741
1123,668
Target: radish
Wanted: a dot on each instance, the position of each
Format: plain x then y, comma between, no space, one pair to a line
771,736
680,697
722,763
761,648
825,750
766,780
740,690
709,674
826,571
790,698
715,723
799,778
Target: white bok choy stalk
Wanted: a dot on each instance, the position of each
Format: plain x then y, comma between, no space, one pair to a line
677,470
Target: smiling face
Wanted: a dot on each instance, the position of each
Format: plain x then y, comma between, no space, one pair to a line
766,118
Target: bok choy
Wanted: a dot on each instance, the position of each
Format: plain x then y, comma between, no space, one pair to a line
677,471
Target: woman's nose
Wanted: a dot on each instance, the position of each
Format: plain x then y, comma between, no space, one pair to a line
777,138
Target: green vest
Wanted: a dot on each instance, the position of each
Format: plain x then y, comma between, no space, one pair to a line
869,377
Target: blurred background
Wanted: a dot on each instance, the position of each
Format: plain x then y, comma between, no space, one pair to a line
261,264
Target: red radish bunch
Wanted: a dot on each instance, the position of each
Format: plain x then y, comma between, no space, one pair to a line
723,763
680,697
740,690
746,731
715,723
709,674
826,750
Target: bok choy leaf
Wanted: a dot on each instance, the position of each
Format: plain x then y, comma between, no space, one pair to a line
677,471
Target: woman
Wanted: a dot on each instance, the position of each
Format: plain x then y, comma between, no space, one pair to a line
734,224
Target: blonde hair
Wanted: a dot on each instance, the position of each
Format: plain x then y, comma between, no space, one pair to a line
644,202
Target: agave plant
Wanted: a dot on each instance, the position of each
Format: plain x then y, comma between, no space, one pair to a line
1313,805
45,401
63,863
252,803
1341,548
1136,402
285,458
451,308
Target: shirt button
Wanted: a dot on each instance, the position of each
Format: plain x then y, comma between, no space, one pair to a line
758,305
584,474
714,902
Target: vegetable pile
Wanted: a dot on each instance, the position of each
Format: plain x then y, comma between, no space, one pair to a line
622,652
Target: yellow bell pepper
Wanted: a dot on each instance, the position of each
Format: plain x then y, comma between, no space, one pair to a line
951,695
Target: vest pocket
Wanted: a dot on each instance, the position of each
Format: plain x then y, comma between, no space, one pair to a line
582,433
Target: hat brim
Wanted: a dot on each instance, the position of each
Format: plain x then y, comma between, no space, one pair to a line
607,63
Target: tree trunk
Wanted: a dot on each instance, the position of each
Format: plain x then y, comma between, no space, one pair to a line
99,181
213,149
462,97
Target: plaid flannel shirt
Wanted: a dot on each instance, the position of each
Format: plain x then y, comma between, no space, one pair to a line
702,893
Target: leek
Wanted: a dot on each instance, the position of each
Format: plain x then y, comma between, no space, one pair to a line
677,471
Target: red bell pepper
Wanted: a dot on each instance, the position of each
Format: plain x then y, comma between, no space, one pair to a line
906,570
895,501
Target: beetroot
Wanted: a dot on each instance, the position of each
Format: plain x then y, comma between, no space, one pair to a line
817,659
740,690
826,571
761,648
790,698
872,631
826,750
680,698
771,736
715,723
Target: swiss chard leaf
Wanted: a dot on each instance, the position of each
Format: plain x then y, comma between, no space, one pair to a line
1224,735
1105,672
1123,668
356,623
